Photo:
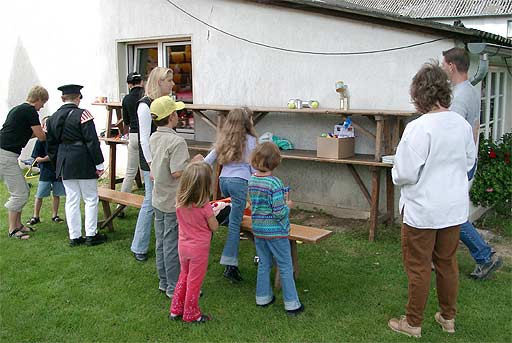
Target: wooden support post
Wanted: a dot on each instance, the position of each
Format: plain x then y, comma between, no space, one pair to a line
387,136
360,129
112,165
138,179
205,118
395,136
390,134
216,183
374,208
390,198
119,121
277,276
258,117
360,183
109,122
107,215
379,133
295,259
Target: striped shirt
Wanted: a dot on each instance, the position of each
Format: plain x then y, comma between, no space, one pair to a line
270,214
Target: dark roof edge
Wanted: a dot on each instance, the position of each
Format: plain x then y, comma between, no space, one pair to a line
471,16
356,12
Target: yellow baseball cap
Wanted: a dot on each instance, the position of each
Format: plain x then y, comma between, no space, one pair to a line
163,106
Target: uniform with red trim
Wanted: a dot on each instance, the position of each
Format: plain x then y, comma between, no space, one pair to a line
73,144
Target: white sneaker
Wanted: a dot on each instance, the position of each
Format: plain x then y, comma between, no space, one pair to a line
448,325
402,326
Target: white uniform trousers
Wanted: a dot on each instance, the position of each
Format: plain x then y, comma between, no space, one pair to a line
75,189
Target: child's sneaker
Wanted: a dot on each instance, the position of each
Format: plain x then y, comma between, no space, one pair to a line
273,300
203,319
402,326
296,312
174,316
448,325
232,273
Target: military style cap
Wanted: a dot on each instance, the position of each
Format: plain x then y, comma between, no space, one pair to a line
134,77
163,106
71,89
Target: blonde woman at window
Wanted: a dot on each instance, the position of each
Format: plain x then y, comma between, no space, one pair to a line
159,83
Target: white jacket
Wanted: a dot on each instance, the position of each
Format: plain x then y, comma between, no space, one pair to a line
431,164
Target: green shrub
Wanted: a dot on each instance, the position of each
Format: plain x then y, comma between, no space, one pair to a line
493,179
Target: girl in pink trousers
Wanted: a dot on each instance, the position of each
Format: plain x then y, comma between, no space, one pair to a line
196,222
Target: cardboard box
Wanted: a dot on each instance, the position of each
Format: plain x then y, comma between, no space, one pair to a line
336,148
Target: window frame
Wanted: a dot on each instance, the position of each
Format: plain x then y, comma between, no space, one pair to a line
131,48
499,99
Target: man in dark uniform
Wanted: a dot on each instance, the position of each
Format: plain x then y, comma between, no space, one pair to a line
74,149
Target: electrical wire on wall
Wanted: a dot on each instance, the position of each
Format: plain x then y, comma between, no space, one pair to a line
367,52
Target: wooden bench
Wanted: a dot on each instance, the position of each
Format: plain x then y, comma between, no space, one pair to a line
298,233
108,196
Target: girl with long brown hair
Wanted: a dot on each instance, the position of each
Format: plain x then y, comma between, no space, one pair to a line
233,147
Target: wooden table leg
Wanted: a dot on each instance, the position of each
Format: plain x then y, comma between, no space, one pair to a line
374,208
390,197
112,165
217,194
107,215
379,135
138,179
119,121
277,277
295,266
295,259
109,122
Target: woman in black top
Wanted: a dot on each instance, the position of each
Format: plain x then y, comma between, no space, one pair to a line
21,124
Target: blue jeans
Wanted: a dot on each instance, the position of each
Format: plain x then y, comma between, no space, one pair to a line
236,188
472,172
278,248
478,248
142,235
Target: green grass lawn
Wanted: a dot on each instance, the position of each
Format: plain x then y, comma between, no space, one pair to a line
50,292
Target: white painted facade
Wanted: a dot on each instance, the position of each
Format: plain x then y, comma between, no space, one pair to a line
492,24
57,42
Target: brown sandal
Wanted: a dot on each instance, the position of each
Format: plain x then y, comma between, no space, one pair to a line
17,233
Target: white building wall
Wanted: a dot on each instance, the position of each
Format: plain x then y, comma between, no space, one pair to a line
58,42
496,25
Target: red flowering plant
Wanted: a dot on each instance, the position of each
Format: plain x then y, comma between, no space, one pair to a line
493,179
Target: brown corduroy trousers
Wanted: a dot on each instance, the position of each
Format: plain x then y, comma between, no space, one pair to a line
420,247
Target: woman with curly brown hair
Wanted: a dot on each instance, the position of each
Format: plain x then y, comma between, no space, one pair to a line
431,164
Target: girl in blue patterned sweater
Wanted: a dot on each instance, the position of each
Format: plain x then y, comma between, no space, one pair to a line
270,227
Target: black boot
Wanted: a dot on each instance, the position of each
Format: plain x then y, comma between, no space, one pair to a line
99,238
76,241
232,273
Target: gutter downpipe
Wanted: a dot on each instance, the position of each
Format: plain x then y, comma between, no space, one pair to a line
481,72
